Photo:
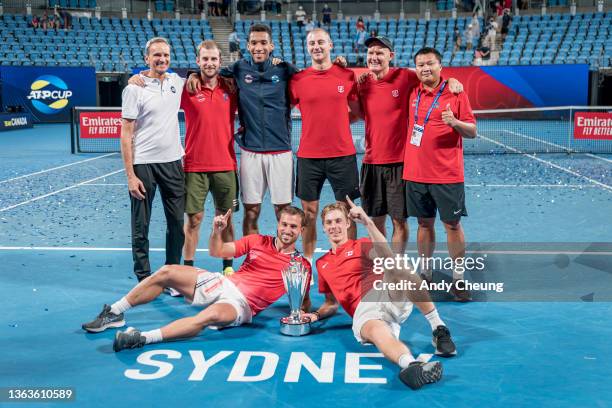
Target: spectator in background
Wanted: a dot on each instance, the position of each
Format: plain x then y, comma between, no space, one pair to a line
234,45
35,23
469,37
490,34
360,23
475,23
212,7
359,44
499,12
50,22
326,14
219,7
200,6
309,26
64,18
279,8
456,40
300,16
506,20
481,55
44,21
225,7
373,33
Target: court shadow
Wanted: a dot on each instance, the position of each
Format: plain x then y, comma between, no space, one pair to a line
106,349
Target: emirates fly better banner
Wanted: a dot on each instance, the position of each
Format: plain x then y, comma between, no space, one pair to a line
96,125
593,125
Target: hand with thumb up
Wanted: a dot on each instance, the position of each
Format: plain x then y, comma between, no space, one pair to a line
448,117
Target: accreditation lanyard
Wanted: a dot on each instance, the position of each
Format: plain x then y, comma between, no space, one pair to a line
418,99
417,130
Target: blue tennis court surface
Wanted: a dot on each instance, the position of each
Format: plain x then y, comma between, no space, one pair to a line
65,251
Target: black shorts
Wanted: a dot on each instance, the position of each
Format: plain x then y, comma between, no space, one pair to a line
340,171
422,200
383,190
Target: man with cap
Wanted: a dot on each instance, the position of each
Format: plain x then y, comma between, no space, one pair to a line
383,92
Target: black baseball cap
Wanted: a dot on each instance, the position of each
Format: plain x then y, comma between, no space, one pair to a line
379,39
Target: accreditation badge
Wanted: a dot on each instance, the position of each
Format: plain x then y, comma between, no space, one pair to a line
417,135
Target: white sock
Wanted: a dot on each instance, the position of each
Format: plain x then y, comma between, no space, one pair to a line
434,319
405,360
152,336
120,306
458,275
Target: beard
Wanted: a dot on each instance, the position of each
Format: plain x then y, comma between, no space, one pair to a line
208,75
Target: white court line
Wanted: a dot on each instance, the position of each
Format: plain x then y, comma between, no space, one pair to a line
59,191
467,185
535,139
557,145
318,250
551,164
105,184
56,168
533,185
594,156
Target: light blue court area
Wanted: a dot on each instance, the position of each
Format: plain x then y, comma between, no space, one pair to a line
64,252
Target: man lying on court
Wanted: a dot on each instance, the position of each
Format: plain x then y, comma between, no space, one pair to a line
227,301
346,276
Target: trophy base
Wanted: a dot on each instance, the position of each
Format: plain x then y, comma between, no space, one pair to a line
294,329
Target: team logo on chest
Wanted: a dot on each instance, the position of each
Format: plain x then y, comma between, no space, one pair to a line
395,93
349,253
340,88
253,254
275,79
200,97
173,89
248,78
225,97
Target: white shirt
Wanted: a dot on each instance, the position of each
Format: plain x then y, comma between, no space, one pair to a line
155,108
300,15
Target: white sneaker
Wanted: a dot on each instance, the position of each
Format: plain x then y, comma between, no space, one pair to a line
172,292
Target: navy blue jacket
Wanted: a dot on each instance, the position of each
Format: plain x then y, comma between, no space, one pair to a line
263,104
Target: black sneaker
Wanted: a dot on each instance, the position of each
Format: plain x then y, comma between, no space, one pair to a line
426,275
417,374
443,343
129,339
461,295
105,319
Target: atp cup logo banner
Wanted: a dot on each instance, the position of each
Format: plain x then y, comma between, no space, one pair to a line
48,93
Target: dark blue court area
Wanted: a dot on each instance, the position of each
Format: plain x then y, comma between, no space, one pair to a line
65,251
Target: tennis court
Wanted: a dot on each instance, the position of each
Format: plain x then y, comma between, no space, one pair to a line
65,251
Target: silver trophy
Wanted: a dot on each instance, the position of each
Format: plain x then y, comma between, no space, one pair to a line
297,281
